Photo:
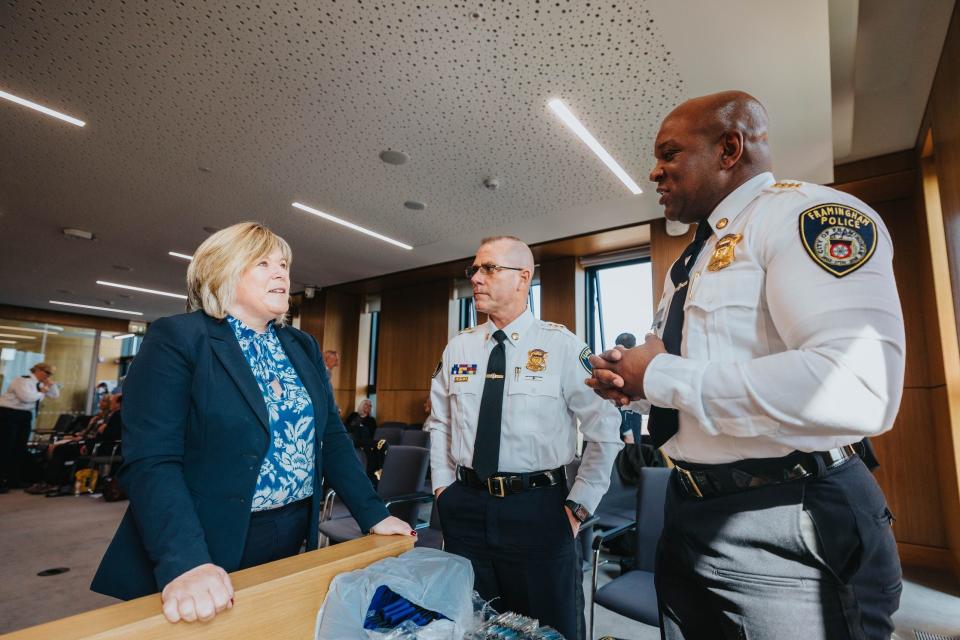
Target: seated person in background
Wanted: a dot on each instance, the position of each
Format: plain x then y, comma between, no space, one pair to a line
63,451
110,431
362,426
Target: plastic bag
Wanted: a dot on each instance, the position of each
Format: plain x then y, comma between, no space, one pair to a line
432,579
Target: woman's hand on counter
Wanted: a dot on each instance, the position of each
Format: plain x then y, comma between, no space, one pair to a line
199,594
391,526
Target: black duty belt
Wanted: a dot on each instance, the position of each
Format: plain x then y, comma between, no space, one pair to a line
504,484
708,480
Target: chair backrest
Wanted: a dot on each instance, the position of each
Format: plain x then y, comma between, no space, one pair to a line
63,422
651,496
79,423
390,434
620,498
412,438
393,425
404,472
416,427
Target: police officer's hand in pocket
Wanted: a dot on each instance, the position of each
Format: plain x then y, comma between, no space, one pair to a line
618,373
574,523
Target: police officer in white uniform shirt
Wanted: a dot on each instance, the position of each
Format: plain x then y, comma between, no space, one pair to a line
16,414
506,398
781,346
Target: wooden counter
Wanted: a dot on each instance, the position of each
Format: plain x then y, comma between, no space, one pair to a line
275,600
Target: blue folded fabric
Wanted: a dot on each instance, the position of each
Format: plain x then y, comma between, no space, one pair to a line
389,609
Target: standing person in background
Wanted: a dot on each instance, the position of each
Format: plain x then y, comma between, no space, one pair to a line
331,360
17,405
507,396
229,428
778,345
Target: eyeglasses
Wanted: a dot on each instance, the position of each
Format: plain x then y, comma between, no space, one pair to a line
488,269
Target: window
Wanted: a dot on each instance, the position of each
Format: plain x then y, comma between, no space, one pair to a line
374,343
619,300
468,313
534,299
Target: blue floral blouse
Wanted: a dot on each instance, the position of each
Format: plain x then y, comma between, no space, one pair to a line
286,474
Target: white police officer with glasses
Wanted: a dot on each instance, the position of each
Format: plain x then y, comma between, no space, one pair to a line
506,399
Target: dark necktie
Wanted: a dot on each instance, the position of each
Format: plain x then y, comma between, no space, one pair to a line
486,448
664,423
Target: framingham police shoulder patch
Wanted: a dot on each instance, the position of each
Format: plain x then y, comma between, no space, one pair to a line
585,360
839,238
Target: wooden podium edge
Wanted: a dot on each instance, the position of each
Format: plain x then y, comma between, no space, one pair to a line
278,599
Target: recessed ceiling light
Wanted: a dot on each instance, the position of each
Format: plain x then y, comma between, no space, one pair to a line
183,256
124,336
123,295
350,225
141,289
65,292
78,234
577,127
394,157
90,306
211,229
122,267
205,169
17,336
413,204
41,108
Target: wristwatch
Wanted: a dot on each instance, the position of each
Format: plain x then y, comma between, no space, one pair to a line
579,511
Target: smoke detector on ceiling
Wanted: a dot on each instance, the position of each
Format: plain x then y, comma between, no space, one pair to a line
394,157
309,291
491,183
79,234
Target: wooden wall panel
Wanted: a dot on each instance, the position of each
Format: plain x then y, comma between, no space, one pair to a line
558,283
664,250
944,126
341,327
413,333
333,318
908,476
942,110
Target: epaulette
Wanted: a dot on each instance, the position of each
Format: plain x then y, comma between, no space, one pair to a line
786,185
467,330
556,326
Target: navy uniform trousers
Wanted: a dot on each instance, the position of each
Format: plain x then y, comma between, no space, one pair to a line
812,559
521,548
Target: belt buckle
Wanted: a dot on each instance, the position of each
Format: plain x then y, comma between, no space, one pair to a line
492,488
688,478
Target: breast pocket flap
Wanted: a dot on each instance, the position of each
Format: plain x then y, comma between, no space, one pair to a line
720,289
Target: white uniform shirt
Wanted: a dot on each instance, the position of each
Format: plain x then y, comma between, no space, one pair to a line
538,428
22,394
779,353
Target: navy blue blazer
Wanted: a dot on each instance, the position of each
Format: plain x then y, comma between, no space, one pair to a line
195,432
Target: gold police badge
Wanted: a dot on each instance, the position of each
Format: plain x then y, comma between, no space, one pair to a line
536,360
724,253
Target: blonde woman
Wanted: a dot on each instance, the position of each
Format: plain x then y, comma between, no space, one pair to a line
230,428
